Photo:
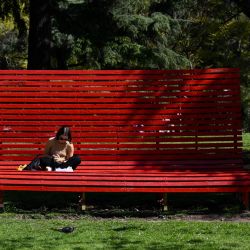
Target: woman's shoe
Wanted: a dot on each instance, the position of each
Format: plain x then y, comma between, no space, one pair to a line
21,167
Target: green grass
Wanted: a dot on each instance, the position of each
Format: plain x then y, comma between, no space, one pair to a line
246,141
122,234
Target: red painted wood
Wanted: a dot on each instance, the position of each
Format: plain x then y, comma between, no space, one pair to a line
134,126
105,93
73,178
174,104
137,109
27,147
95,124
189,119
147,164
167,87
124,182
219,172
127,189
114,72
123,140
106,157
121,77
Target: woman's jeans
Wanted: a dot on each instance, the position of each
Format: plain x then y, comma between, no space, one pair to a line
74,161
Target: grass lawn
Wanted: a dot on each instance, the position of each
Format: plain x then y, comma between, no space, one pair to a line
246,141
17,233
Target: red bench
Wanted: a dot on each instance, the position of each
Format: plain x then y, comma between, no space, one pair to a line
156,131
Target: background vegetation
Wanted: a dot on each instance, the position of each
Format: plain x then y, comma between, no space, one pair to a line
131,34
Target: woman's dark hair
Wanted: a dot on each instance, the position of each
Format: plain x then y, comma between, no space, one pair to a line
64,130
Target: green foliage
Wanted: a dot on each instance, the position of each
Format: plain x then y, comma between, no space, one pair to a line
16,9
13,34
124,35
216,34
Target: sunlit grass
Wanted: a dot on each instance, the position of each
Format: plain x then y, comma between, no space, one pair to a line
123,234
246,141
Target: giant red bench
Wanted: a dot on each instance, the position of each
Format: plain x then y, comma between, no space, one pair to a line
160,131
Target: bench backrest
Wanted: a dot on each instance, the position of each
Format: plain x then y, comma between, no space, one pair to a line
150,119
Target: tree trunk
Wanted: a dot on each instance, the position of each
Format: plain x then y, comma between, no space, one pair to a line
39,35
244,5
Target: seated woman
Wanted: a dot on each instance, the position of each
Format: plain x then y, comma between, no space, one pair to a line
59,152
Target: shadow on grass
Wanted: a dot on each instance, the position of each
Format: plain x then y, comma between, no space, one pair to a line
28,243
10,244
109,205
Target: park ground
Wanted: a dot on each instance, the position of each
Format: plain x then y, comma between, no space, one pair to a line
41,231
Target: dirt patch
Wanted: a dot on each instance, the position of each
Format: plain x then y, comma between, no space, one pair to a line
242,217
143,215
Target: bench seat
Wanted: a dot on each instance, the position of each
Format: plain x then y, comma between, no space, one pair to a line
99,181
135,130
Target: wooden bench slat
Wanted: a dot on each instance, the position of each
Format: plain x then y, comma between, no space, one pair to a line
167,173
46,125
151,126
120,77
174,88
123,72
137,155
132,140
137,110
221,189
157,87
146,163
27,147
98,118
62,106
128,106
104,136
134,127
69,177
132,157
125,183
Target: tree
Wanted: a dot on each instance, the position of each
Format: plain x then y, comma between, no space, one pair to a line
13,34
244,5
216,34
39,53
119,34
15,9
